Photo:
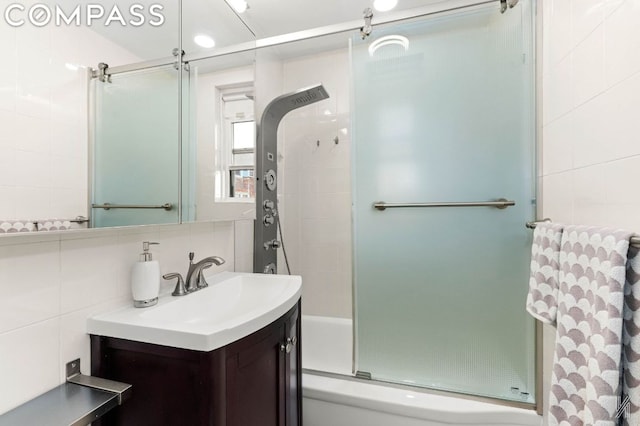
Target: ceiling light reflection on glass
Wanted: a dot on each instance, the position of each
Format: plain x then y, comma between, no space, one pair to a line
204,40
388,41
384,5
239,6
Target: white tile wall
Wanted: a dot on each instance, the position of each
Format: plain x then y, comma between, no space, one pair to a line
586,15
51,283
590,136
588,67
31,289
315,198
30,362
621,41
43,116
591,101
244,245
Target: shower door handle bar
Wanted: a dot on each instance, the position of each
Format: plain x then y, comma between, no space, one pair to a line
109,206
500,203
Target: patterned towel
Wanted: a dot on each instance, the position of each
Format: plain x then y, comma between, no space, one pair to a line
631,338
542,300
585,381
53,225
11,226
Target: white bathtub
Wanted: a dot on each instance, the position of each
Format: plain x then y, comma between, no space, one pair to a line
331,401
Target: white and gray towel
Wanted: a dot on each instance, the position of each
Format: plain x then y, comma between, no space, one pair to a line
631,338
53,225
542,300
13,226
585,382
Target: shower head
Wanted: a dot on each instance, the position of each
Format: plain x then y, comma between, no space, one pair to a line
281,105
307,96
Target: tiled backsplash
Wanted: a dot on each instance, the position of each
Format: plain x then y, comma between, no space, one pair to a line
52,282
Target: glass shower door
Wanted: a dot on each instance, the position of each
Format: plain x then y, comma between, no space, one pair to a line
444,112
136,149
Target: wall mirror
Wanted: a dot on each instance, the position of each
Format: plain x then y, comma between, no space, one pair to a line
74,142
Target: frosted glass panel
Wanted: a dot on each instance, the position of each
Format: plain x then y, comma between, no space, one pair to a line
136,148
440,291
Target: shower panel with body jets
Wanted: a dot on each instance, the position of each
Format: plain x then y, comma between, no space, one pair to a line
266,243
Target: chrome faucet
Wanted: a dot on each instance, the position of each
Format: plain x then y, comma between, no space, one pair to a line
195,278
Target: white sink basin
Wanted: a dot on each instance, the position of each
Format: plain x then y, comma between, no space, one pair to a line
232,307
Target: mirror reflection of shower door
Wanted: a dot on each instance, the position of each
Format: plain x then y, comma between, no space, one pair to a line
446,115
136,148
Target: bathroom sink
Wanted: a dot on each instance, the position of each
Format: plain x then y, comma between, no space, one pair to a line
232,307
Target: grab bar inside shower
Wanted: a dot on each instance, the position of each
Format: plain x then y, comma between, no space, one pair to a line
108,206
500,203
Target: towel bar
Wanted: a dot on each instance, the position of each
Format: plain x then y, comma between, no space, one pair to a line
108,206
634,241
79,219
500,203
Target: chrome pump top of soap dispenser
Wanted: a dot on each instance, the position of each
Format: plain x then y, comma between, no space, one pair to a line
146,255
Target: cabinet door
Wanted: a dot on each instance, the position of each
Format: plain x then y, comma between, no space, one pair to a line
293,372
254,386
172,386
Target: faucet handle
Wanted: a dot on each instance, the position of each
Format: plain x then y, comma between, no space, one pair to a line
201,282
180,289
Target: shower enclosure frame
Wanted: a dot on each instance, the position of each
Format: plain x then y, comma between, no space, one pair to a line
389,17
355,25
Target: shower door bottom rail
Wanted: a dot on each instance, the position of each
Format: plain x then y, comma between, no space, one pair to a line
500,203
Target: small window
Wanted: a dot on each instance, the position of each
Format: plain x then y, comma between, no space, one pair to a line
239,142
243,183
244,135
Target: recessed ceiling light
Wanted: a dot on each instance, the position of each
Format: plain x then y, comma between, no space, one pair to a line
239,6
204,40
387,41
384,5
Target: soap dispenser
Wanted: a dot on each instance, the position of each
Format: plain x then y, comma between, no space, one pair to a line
145,279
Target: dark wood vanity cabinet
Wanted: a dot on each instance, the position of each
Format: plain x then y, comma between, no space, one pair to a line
255,381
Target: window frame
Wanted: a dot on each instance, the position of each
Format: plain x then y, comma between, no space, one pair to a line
227,150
